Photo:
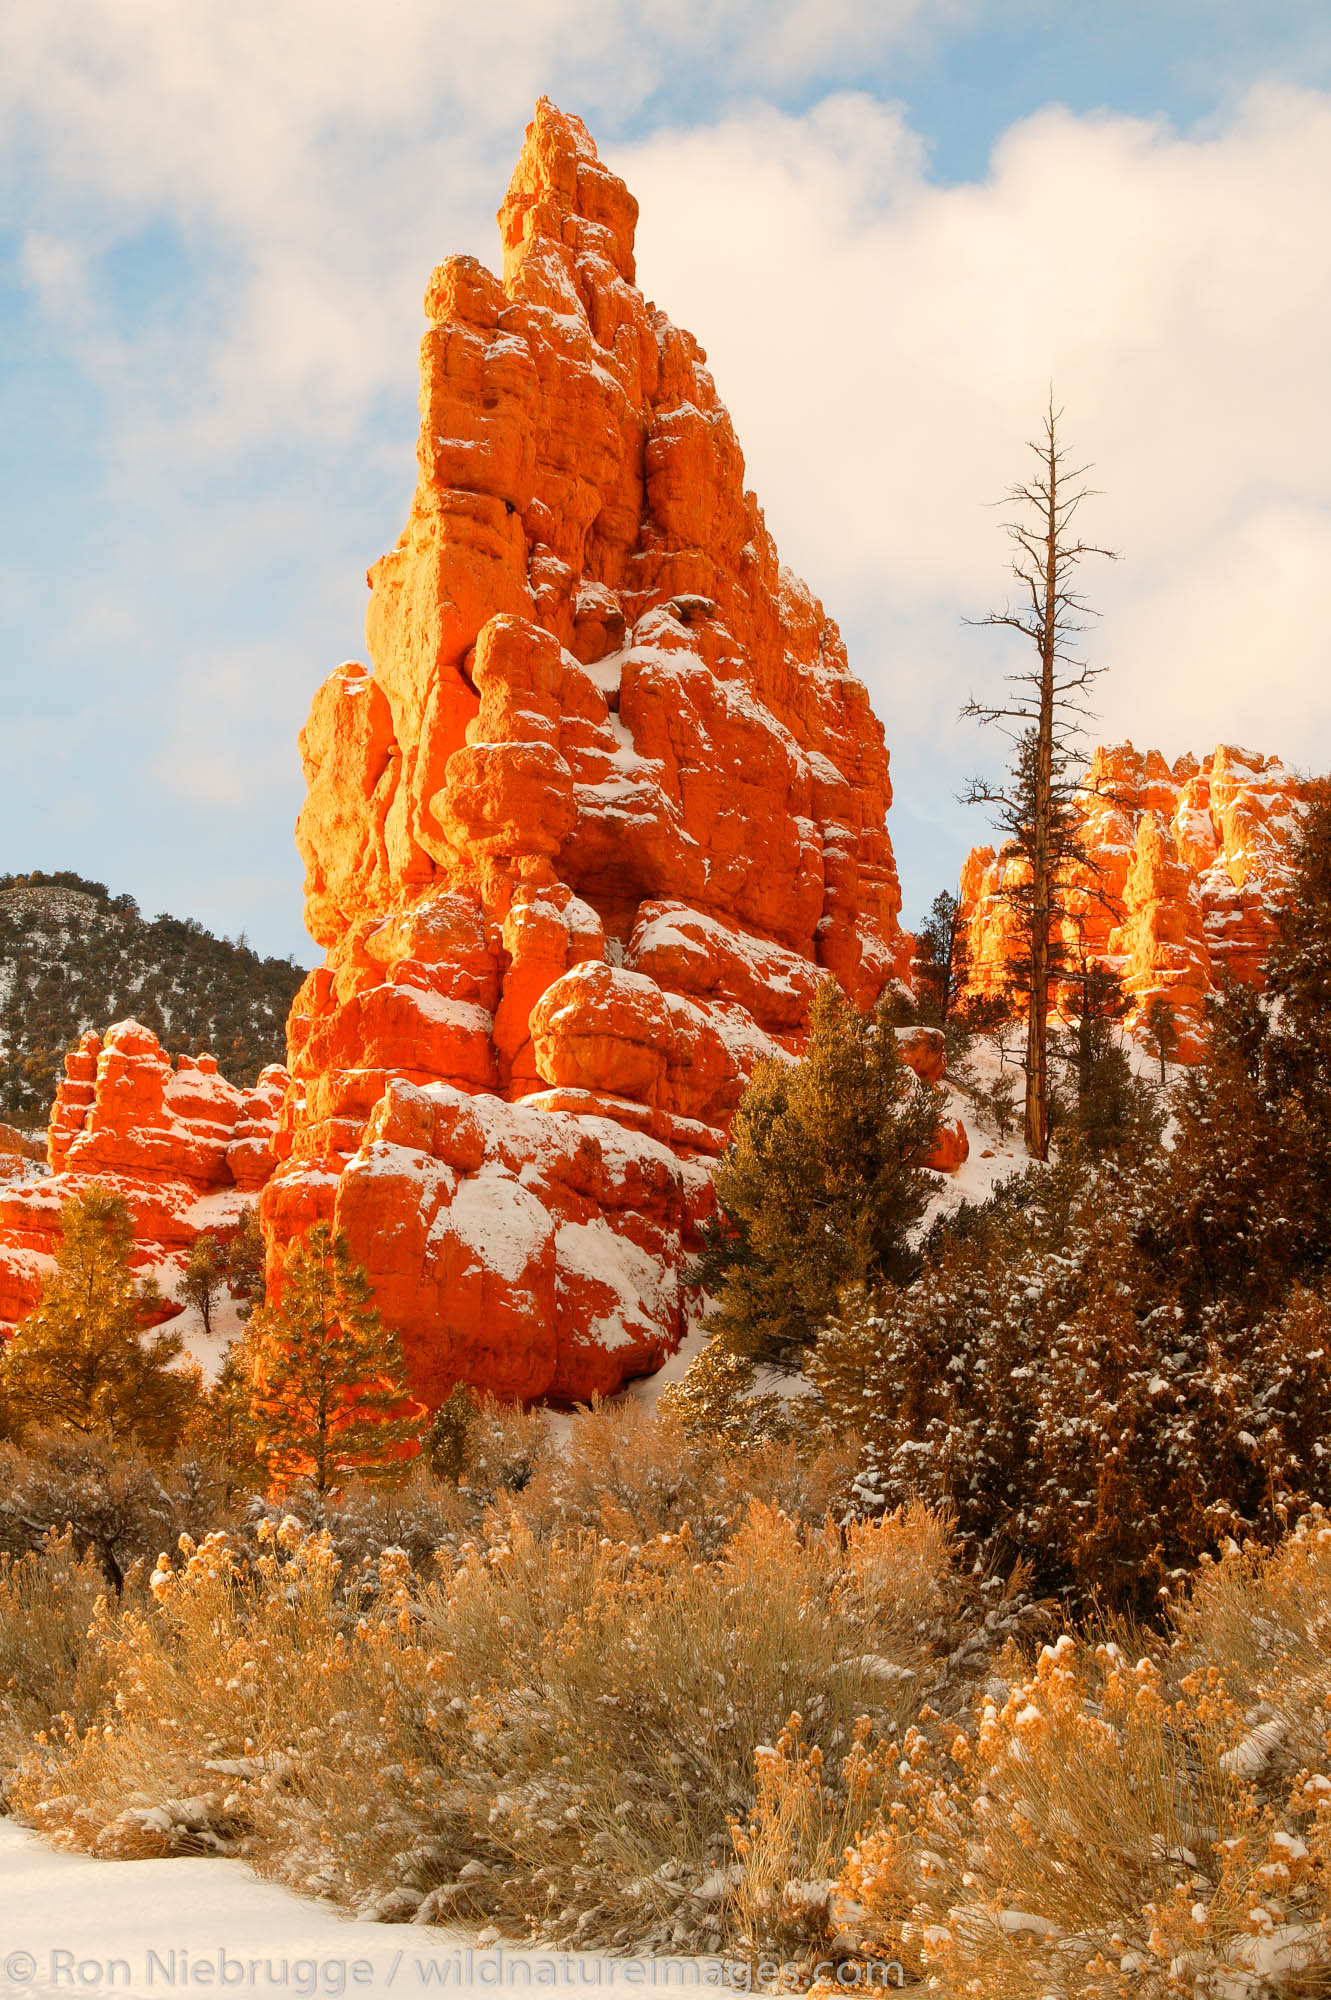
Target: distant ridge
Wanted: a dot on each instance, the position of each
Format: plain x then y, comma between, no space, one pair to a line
74,957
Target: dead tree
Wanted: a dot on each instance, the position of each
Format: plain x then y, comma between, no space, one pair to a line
1043,715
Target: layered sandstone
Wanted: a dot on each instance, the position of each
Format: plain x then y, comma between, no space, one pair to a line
18,1153
581,844
1191,867
183,1146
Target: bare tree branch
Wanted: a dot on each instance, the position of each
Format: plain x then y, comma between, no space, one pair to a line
1038,806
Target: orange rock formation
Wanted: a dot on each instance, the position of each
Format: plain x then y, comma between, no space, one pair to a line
17,1153
183,1146
1192,863
582,843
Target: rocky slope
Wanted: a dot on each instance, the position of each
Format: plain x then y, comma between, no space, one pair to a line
581,843
73,958
1191,864
184,1147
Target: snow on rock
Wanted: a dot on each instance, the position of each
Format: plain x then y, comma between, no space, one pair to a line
185,1148
582,844
1191,865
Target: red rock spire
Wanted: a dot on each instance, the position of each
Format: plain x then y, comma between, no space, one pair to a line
581,844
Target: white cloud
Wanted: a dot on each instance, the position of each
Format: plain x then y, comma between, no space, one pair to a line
885,343
317,157
57,270
793,41
886,346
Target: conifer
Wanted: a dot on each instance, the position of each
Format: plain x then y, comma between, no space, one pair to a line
244,1262
204,1277
941,959
330,1393
1161,1034
1106,1104
936,1377
449,1436
223,1423
1240,1213
821,1184
1041,713
83,1360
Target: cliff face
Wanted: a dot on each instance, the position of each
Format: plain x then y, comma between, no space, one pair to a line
184,1147
582,842
1191,866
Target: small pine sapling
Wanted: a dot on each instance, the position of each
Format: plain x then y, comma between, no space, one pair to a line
244,1263
449,1437
204,1277
84,1359
1161,1034
223,1424
330,1390
999,1104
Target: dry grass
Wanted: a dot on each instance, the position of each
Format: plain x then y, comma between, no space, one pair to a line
563,1731
54,1672
633,1473
749,1733
1111,1827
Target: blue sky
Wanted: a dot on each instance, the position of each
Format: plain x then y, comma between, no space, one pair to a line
890,224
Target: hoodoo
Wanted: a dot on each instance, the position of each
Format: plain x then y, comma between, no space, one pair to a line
185,1148
1190,866
582,841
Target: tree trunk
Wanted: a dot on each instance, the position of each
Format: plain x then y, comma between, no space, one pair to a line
1037,1020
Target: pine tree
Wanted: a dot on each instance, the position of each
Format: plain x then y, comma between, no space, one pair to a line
1161,1034
821,1184
998,1103
941,960
1229,1213
1106,1105
244,1262
82,1360
936,1377
447,1440
1021,1383
1240,1215
1299,981
329,1378
223,1424
204,1277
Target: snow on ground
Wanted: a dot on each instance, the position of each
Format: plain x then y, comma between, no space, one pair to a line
207,1349
646,1389
994,1159
144,1929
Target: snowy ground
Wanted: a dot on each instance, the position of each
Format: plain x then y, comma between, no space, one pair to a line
993,1159
17,1170
152,1928
205,1348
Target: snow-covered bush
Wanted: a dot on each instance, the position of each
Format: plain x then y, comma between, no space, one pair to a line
119,1507
561,1732
54,1672
1111,1826
1080,1403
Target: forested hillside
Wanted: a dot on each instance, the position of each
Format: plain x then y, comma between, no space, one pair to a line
73,957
